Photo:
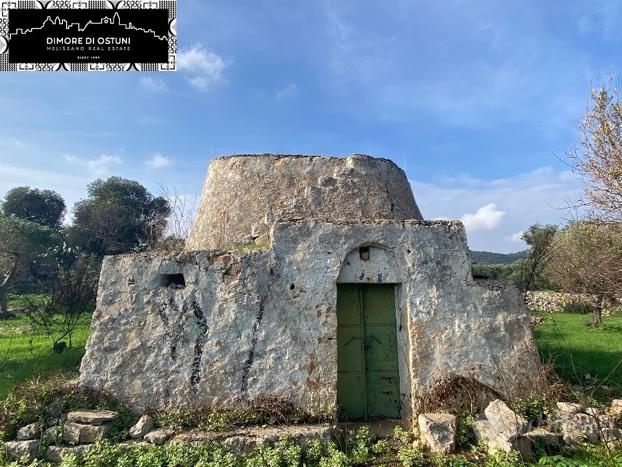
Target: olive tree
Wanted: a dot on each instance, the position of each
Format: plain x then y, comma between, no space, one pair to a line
118,216
45,207
587,258
21,242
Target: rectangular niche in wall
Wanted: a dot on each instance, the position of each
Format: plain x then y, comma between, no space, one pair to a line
175,281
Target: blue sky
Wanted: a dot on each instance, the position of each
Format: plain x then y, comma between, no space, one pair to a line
476,100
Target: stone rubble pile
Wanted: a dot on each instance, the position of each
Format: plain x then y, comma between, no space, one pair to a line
502,429
74,432
499,427
64,433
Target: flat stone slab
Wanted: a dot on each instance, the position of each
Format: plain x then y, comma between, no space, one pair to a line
92,417
244,440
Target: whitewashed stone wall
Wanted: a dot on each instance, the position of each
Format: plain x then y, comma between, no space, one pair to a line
263,323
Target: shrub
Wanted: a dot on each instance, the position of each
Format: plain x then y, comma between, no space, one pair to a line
532,409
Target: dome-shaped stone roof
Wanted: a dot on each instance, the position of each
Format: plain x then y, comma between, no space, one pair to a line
244,194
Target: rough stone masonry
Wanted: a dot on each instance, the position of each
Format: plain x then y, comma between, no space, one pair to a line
250,309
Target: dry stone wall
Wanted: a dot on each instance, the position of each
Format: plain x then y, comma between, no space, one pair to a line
219,329
244,195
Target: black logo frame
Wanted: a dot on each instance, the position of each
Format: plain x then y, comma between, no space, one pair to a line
88,35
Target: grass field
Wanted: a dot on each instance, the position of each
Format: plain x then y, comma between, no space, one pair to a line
577,349
24,355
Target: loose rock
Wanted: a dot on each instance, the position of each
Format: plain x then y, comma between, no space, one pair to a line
77,433
143,426
24,451
31,431
53,434
503,429
55,409
159,436
504,420
607,429
616,408
544,439
568,408
578,428
57,453
438,431
92,417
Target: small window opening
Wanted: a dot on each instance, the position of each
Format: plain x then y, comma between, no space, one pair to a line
364,253
175,281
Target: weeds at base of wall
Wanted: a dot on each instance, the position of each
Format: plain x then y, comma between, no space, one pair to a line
355,448
265,411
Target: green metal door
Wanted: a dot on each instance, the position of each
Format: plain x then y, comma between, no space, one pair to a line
367,368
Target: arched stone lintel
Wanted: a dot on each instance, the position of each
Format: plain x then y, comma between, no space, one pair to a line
371,263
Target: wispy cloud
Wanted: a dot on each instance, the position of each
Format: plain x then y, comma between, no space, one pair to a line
516,55
159,161
153,85
288,92
100,165
203,67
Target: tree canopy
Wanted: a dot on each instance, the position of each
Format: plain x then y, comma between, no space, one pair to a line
586,257
118,216
45,207
21,242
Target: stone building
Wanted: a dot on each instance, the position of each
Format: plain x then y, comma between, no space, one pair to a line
313,280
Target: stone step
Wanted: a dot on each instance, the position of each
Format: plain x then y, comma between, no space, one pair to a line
92,417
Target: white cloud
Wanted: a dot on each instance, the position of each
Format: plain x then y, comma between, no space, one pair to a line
99,166
527,198
288,92
203,67
159,161
486,218
516,237
154,85
15,142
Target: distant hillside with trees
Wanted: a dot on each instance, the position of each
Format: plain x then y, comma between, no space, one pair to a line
488,257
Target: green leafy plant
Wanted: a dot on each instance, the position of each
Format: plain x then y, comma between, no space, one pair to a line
465,437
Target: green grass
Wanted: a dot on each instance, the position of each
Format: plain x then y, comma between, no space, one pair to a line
575,348
24,354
